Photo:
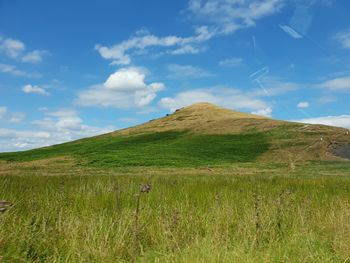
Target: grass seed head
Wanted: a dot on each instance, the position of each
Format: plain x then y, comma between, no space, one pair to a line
4,205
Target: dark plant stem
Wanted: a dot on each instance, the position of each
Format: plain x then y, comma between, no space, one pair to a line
257,216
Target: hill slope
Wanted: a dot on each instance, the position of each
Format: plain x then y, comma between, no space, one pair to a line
199,135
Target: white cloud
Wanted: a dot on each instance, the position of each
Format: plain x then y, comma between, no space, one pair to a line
35,56
3,111
223,17
225,97
125,88
290,31
13,117
14,140
11,47
17,117
120,53
187,71
11,69
340,84
343,38
272,86
231,62
187,49
15,49
303,105
127,79
57,127
263,112
34,89
338,121
231,15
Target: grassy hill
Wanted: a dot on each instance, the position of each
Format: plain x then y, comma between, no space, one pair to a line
198,135
204,184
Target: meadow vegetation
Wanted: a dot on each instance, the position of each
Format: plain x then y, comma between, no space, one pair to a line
262,213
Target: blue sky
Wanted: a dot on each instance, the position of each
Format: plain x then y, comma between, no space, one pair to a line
71,69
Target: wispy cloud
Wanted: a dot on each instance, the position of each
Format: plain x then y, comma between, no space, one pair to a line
14,117
337,84
3,111
290,31
120,53
231,62
11,69
273,86
187,49
13,48
35,56
228,16
343,38
187,71
17,117
16,49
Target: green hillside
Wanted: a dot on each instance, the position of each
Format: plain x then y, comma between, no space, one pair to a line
199,135
155,149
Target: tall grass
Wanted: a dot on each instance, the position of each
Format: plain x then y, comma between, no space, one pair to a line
193,218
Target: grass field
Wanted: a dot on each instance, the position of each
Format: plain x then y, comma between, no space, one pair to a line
244,213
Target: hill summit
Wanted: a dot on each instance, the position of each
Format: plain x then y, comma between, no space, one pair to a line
204,118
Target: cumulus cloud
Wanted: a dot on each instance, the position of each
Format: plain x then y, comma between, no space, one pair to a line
339,84
127,79
225,97
338,121
125,88
343,38
231,62
303,105
34,89
120,53
230,15
187,71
